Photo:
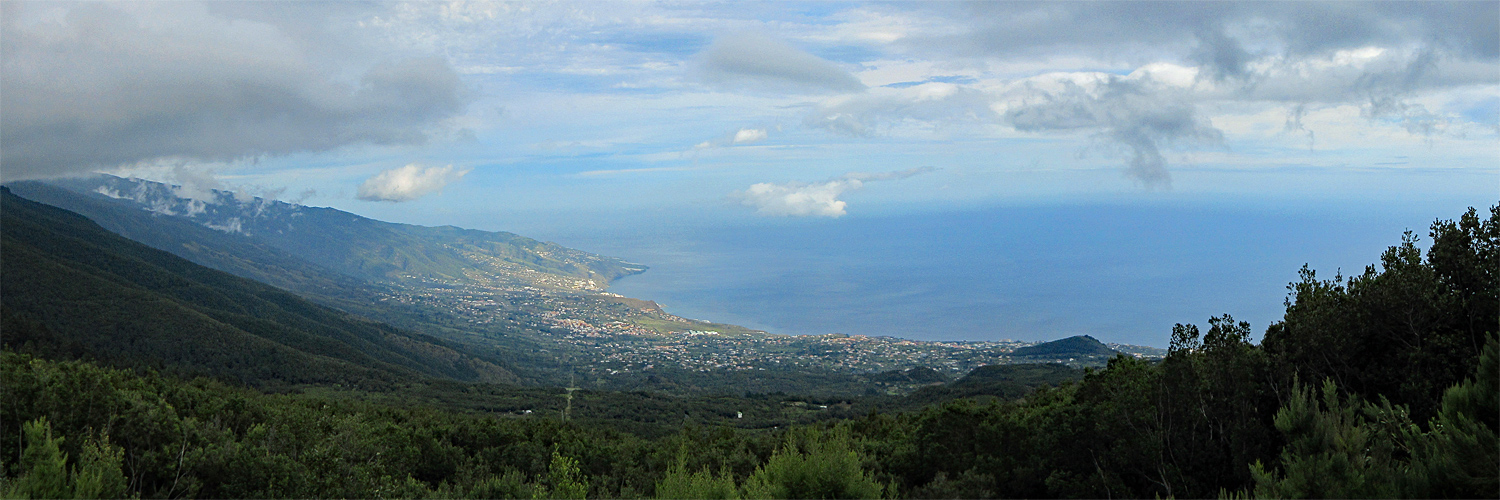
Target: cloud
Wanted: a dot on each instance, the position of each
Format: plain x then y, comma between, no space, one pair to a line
741,136
1217,33
749,135
933,102
1190,60
756,61
1140,115
409,182
817,199
93,85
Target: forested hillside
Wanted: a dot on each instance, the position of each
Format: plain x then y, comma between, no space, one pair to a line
231,252
76,290
1379,385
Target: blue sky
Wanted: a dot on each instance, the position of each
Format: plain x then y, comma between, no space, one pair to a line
417,111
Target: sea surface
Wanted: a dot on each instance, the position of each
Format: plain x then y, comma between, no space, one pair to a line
1121,273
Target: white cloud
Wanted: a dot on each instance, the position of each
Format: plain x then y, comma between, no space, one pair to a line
798,199
820,199
409,182
932,103
740,136
749,135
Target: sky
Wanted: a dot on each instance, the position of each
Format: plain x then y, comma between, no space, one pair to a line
422,110
535,114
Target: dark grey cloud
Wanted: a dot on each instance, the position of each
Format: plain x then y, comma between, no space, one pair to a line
757,61
1222,56
1213,32
1141,116
1294,117
92,85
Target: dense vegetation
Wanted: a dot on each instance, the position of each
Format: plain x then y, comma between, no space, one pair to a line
76,290
1378,385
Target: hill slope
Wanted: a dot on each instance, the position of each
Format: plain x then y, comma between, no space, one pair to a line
233,253
73,288
366,248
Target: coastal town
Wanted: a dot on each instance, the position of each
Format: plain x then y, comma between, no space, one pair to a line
608,334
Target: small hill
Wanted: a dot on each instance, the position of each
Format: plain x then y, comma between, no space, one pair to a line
1004,382
73,289
1079,346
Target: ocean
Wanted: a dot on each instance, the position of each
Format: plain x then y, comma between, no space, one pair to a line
1120,272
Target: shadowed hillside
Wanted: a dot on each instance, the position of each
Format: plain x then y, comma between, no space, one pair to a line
74,289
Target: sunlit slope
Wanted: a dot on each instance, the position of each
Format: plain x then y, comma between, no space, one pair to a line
75,289
369,249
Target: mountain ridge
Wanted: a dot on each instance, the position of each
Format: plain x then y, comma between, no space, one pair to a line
368,249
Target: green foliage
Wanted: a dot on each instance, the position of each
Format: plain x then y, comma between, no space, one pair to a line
98,473
1406,330
814,464
43,467
512,484
1461,454
563,479
204,439
683,484
43,470
1346,448
1333,450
